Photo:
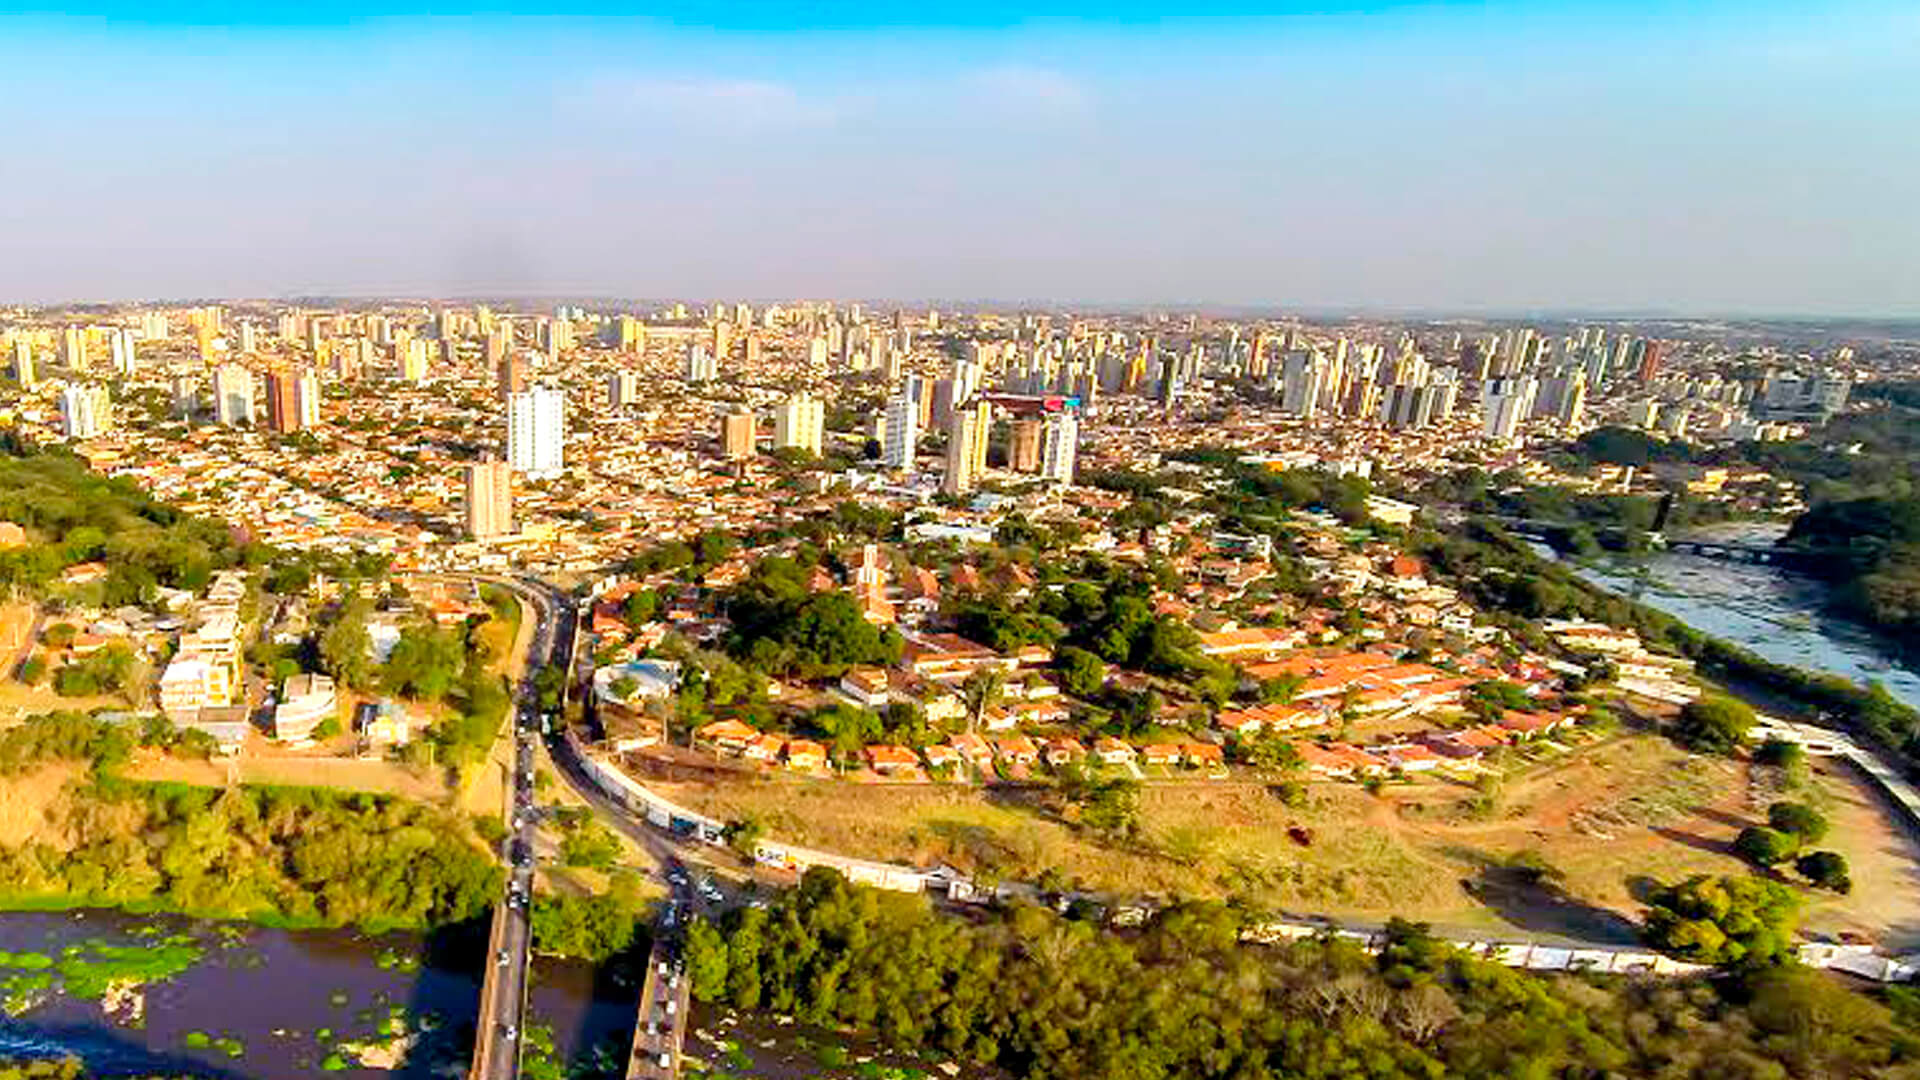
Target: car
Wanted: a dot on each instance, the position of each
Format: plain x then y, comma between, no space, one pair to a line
653,1028
510,1033
666,1060
670,1005
505,958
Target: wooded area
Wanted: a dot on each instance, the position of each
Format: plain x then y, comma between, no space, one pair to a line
1047,998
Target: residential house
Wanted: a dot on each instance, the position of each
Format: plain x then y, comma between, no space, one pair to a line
1161,754
1336,761
891,760
973,748
1063,752
306,701
729,736
805,755
866,686
764,748
1203,755
1251,645
1111,751
1016,750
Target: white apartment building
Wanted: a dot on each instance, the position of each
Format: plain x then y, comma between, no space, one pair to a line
537,431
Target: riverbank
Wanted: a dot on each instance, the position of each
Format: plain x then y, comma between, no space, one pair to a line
1783,616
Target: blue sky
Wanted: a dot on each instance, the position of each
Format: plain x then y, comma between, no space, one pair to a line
1484,157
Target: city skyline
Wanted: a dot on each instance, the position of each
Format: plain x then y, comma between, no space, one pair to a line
1505,160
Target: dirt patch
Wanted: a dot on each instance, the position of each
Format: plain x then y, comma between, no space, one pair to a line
30,806
350,774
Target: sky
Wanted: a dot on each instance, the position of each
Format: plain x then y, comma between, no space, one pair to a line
1750,158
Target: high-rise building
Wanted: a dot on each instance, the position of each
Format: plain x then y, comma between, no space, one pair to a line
800,423
306,387
153,325
1302,382
902,426
737,433
631,334
186,396
623,389
1062,446
537,431
232,395
722,340
1508,402
249,338
73,349
85,411
293,401
511,373
702,366
1023,444
120,348
413,360
966,447
23,370
1649,361
499,343
489,499
283,407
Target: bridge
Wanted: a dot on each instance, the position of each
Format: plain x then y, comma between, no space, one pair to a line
499,1031
1734,550
660,1028
1705,547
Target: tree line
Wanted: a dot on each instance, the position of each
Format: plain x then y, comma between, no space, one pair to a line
303,856
1052,998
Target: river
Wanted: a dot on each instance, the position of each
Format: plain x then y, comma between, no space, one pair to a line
1780,615
268,1004
229,1001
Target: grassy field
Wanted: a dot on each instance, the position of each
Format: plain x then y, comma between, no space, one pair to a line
1609,819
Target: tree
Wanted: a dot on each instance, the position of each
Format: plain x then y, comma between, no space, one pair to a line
1714,725
641,607
981,691
1082,674
707,964
1112,808
1803,822
1762,846
346,648
744,835
1727,921
1269,752
590,844
425,663
1780,753
1826,869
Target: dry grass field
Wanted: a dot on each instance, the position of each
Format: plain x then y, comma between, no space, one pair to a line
1609,820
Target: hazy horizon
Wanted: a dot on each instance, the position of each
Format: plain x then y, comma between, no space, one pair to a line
1482,160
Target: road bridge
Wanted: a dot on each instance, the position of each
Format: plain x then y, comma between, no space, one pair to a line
660,1026
499,1032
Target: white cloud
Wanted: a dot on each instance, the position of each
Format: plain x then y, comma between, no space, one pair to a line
1024,88
727,104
